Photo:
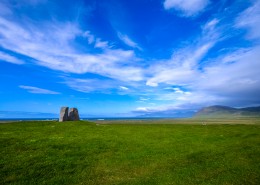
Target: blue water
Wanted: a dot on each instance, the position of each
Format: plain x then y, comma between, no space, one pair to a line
90,119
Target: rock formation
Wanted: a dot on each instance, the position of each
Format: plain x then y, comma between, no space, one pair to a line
73,114
67,114
64,114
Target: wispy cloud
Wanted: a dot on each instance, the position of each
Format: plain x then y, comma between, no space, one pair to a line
8,58
176,111
123,88
51,45
36,90
101,44
89,36
187,8
96,85
183,66
231,83
250,19
239,77
91,85
177,90
128,41
181,69
144,99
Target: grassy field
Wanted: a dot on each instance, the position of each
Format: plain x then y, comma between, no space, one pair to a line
163,152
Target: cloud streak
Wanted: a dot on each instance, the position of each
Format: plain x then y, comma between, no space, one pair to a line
128,41
187,8
36,90
250,19
181,69
11,59
51,46
91,85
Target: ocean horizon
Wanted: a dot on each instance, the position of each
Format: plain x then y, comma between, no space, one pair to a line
89,119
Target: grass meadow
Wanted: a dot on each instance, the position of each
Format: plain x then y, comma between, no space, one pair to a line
163,152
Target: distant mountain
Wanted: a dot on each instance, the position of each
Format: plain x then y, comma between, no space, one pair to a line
224,111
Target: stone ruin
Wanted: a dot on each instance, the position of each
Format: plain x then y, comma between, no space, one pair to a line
73,114
67,114
64,114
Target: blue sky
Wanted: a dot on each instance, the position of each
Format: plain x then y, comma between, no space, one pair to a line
128,58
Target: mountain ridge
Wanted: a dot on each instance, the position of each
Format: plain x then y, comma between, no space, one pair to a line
226,111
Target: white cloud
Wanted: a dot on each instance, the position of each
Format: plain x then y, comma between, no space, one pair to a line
151,83
143,109
128,41
154,109
233,56
8,58
186,7
36,90
229,79
144,99
250,19
181,69
90,85
176,90
89,36
228,83
50,44
211,25
183,66
123,88
233,83
241,77
96,85
101,44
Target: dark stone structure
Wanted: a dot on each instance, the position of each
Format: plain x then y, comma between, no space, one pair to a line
67,114
73,114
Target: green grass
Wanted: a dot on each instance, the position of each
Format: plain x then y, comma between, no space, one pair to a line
86,153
